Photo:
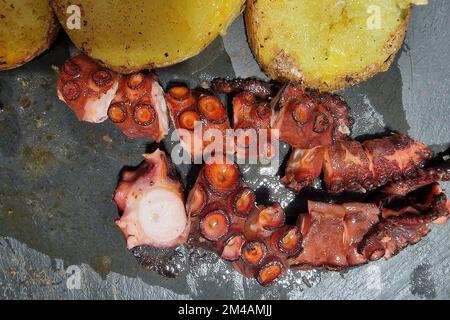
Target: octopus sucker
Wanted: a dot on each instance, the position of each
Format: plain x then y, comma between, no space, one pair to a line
354,166
135,103
214,225
263,221
243,202
152,205
287,241
269,272
222,178
232,247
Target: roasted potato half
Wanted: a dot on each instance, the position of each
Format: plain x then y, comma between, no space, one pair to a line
130,35
27,28
326,44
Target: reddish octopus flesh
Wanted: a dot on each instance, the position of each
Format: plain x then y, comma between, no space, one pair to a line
135,103
354,166
195,116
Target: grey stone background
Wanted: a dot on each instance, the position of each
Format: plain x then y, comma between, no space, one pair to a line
57,176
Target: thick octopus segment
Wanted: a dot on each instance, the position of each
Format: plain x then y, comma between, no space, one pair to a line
135,103
251,122
340,236
226,220
139,108
193,113
354,166
87,88
331,234
151,201
308,119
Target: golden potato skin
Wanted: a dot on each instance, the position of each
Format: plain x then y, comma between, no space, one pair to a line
130,35
27,28
283,65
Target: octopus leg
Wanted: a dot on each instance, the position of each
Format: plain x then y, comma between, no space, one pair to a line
226,220
359,167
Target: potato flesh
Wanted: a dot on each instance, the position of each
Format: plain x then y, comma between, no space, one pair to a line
328,39
130,35
26,28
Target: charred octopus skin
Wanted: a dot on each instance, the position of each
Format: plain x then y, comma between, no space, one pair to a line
189,108
87,88
409,206
355,166
135,103
226,220
257,88
151,201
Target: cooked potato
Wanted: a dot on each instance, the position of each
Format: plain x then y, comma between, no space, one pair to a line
130,35
327,44
27,28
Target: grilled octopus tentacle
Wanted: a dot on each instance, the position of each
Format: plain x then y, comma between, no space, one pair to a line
355,166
